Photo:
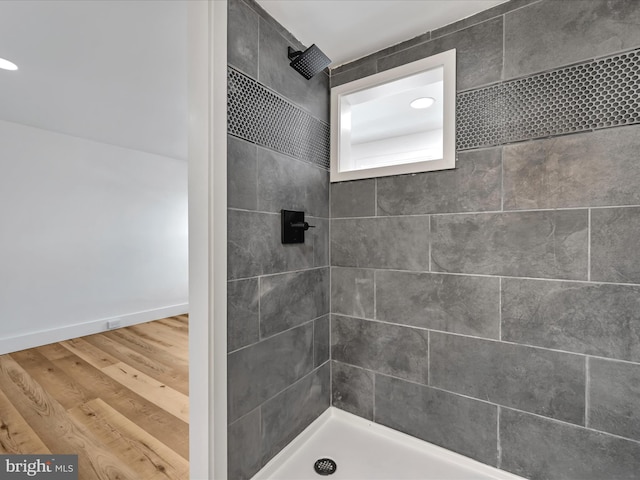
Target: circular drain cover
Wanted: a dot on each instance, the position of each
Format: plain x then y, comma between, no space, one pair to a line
325,466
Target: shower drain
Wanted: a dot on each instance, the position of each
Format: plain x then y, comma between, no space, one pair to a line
325,466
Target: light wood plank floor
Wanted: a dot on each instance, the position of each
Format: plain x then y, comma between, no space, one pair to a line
119,400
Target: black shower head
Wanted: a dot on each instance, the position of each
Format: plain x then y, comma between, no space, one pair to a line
309,62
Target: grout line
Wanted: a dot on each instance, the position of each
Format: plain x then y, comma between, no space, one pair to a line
500,308
258,408
484,275
329,316
574,425
375,296
430,241
269,337
504,43
499,443
287,272
265,212
313,344
482,212
330,362
589,246
258,72
330,267
428,358
313,371
587,394
502,179
373,393
486,339
501,407
259,309
375,197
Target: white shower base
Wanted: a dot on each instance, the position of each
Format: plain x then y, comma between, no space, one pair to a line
364,450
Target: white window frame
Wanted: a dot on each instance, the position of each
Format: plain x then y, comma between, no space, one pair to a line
340,149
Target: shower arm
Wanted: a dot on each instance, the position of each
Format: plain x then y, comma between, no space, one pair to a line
293,54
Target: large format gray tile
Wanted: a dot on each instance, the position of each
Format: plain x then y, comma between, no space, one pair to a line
275,72
614,241
546,244
319,238
595,319
590,169
255,248
321,340
530,379
551,34
365,62
295,43
363,69
478,53
417,40
258,372
290,299
482,16
540,449
352,292
368,65
352,389
351,65
242,38
290,412
453,303
286,183
389,242
353,199
242,180
242,313
391,349
460,424
244,452
473,186
614,397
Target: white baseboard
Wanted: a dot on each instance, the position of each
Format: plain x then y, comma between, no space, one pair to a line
67,332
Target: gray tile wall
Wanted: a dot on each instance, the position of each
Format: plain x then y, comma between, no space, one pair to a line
494,309
278,295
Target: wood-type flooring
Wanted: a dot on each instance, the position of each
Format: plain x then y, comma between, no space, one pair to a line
118,399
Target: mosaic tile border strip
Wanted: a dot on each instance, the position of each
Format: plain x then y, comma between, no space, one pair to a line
259,115
592,95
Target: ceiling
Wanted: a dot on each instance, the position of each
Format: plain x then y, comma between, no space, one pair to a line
346,30
110,71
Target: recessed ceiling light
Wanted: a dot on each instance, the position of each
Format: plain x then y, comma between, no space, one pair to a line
7,65
423,102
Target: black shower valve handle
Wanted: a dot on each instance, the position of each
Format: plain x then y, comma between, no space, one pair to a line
304,225
293,226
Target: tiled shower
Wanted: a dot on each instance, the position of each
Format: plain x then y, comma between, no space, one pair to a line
493,309
278,295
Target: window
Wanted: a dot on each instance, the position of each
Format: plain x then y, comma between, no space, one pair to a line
394,122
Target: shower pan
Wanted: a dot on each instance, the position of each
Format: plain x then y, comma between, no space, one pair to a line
347,447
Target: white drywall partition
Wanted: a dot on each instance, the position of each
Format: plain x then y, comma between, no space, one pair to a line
89,232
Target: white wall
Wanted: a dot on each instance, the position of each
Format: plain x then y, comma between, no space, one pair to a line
88,232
